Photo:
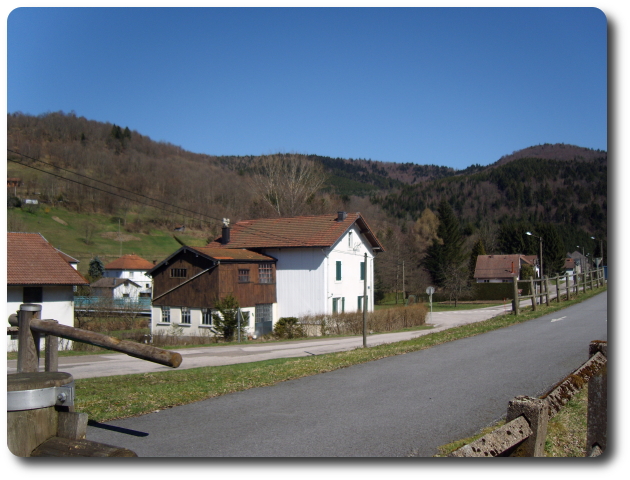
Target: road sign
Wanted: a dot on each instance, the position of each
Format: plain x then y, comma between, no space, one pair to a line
430,290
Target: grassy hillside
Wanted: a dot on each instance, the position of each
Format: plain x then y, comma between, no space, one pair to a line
84,235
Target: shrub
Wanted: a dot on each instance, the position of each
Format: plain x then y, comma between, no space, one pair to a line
288,327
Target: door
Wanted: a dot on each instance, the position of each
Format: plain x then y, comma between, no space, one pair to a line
264,319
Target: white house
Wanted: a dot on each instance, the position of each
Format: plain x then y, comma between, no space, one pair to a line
134,268
321,259
39,273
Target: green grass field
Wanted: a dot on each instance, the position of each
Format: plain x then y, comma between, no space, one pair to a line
66,230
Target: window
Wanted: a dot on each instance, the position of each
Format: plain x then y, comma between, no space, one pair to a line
166,314
339,305
360,303
265,273
335,305
186,315
206,316
243,275
178,273
338,271
125,295
32,295
362,271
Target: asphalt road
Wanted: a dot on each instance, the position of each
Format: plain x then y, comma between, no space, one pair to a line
398,406
104,365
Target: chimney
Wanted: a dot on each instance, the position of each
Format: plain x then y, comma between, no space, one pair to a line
225,232
341,216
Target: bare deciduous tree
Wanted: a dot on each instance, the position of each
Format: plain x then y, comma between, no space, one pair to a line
287,183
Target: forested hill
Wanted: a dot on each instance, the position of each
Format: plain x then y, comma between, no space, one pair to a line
561,184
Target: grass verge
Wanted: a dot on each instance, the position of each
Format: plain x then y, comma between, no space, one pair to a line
107,398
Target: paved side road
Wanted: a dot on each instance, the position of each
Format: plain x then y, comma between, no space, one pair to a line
398,406
104,365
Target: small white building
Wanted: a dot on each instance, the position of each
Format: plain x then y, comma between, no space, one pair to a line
116,288
134,268
321,259
39,273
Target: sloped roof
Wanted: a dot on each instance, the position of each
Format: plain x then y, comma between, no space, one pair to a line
110,282
306,231
129,262
231,254
31,260
499,266
216,253
569,263
67,257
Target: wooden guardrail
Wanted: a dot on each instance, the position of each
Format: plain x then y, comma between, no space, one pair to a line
525,430
559,287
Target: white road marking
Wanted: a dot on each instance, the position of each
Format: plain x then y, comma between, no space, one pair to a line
558,319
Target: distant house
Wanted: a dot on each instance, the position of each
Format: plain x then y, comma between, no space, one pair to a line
569,266
14,182
499,268
134,268
582,262
188,284
39,273
116,288
320,266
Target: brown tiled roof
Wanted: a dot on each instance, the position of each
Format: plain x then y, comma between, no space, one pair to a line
31,260
306,231
231,254
129,262
569,263
498,266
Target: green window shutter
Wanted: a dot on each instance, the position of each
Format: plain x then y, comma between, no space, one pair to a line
359,302
362,270
338,276
335,305
343,304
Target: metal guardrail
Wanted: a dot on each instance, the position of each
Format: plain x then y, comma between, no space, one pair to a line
141,303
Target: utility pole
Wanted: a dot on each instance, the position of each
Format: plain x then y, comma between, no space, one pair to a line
365,275
403,284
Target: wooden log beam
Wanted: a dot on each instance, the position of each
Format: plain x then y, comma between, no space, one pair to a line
133,349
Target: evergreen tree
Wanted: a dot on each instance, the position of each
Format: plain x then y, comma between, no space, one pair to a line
553,248
478,249
446,251
226,320
96,270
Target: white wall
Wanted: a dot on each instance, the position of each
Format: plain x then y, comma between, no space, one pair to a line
350,251
300,281
57,304
138,276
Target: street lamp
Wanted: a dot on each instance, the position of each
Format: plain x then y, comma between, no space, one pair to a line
541,258
601,249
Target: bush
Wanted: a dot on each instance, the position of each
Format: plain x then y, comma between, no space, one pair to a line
385,320
288,327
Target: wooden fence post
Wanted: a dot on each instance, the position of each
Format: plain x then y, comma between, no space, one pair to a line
558,288
515,301
28,342
597,417
536,412
51,355
532,286
546,282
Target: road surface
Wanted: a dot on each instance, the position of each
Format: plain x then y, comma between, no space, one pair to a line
398,406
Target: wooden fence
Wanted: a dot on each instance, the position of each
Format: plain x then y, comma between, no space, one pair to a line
525,430
556,288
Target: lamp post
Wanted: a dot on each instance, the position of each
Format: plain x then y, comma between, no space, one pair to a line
601,248
583,260
541,258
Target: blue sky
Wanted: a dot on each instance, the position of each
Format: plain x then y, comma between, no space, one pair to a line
449,87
